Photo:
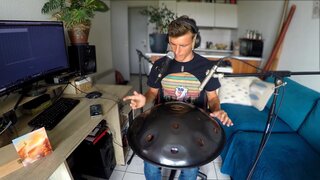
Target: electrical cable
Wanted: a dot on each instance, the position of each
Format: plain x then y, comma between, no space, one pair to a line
117,98
60,94
268,130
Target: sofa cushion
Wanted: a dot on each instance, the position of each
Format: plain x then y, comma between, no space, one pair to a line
297,102
286,156
310,128
248,118
260,92
235,90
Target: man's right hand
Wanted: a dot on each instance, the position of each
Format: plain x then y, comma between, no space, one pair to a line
137,100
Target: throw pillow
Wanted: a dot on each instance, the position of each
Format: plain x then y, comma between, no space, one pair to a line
235,90
260,92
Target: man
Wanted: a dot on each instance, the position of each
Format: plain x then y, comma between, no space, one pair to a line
180,82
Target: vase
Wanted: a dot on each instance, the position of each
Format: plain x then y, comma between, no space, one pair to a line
79,34
158,42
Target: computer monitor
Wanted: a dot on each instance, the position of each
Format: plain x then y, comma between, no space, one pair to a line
29,52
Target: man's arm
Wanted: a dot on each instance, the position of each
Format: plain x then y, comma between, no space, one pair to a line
214,106
151,95
213,101
138,100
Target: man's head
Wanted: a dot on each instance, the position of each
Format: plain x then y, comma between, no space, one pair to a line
182,34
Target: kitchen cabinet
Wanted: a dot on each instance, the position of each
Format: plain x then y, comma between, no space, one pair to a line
209,14
226,15
239,65
202,13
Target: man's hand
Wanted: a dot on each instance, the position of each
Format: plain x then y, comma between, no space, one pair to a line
137,100
223,117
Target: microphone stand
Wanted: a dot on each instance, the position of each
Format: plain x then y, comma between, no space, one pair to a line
141,55
278,82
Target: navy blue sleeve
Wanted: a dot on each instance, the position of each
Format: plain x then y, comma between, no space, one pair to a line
155,70
212,85
204,66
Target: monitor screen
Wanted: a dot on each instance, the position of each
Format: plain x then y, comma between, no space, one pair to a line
30,51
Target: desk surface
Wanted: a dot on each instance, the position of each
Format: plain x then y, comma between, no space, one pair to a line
64,138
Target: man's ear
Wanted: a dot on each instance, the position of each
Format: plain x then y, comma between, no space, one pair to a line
194,41
168,41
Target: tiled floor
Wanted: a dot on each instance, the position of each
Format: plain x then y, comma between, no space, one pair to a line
134,171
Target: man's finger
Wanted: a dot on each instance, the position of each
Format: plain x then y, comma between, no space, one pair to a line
214,114
134,97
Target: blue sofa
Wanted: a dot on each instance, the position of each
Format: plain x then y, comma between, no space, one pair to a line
293,149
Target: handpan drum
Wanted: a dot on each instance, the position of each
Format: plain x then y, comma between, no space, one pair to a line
176,135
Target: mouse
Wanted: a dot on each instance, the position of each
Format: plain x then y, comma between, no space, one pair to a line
94,95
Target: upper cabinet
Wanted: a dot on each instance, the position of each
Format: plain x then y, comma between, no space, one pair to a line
203,13
226,15
210,14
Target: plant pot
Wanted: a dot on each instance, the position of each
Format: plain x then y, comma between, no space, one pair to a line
79,34
158,42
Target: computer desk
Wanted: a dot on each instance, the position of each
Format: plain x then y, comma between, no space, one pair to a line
65,137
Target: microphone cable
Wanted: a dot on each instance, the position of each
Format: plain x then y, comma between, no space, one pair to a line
259,153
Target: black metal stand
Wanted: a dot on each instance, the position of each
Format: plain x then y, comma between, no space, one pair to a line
140,54
278,82
172,174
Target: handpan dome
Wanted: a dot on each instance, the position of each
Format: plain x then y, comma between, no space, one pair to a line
176,135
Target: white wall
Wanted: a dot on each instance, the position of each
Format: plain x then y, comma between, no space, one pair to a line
99,35
261,15
120,35
301,45
22,10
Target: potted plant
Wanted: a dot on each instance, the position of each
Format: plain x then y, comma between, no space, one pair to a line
161,18
76,15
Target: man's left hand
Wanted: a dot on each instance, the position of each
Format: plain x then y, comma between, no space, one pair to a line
223,117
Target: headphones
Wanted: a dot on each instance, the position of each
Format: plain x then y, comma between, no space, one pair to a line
197,38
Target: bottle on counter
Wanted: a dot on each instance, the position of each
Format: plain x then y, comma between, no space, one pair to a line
236,48
231,46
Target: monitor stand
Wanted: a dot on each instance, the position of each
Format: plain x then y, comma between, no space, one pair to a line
34,90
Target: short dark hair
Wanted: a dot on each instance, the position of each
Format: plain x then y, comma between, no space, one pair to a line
181,26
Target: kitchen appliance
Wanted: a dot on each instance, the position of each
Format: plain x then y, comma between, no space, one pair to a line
251,47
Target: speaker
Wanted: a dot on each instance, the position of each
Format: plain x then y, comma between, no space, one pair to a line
96,160
82,59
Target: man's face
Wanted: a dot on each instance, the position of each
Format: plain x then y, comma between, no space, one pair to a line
182,47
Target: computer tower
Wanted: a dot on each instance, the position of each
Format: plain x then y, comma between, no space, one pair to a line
96,160
82,59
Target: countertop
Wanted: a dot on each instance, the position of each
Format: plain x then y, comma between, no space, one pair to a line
212,54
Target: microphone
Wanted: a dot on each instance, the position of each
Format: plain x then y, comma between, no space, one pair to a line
169,57
210,75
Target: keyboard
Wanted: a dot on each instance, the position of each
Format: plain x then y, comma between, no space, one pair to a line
51,116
